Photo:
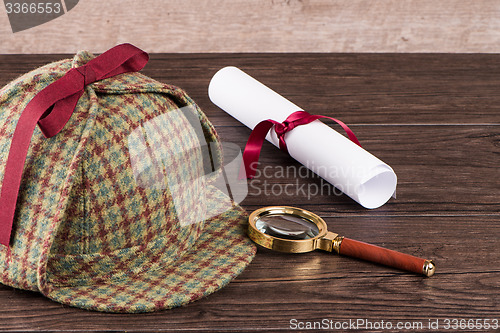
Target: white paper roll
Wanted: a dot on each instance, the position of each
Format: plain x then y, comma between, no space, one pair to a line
332,156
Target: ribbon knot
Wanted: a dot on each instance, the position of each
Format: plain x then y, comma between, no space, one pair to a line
260,131
89,76
74,82
51,109
282,128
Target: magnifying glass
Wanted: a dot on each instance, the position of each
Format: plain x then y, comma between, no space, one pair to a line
295,230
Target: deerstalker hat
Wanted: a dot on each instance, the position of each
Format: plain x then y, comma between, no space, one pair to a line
118,207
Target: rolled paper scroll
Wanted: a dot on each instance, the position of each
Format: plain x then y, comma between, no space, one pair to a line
332,156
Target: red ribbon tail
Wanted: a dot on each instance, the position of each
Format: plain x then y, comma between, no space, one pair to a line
346,128
253,147
13,172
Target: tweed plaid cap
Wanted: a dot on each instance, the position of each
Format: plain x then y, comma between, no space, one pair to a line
120,211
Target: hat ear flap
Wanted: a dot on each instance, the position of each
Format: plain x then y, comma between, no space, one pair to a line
68,232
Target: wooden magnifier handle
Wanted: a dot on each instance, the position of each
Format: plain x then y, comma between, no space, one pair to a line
377,254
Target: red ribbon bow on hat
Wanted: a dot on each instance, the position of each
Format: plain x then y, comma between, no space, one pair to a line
258,135
51,108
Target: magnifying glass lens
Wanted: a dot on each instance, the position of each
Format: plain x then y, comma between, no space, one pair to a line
287,226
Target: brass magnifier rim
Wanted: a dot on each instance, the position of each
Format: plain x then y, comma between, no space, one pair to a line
282,244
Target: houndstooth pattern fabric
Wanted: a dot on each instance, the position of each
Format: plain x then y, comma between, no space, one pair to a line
95,225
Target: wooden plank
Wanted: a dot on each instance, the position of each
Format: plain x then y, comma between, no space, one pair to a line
368,89
266,26
278,287
359,88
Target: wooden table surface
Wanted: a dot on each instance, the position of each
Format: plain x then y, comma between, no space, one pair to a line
435,118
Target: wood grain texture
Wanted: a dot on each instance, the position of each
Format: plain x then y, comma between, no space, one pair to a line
266,26
361,89
433,118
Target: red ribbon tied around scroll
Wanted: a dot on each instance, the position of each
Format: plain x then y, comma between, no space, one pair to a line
258,135
51,109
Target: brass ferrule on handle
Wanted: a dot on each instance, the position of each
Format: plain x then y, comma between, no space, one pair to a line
330,242
429,268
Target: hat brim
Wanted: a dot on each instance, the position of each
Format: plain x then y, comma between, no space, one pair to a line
220,253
